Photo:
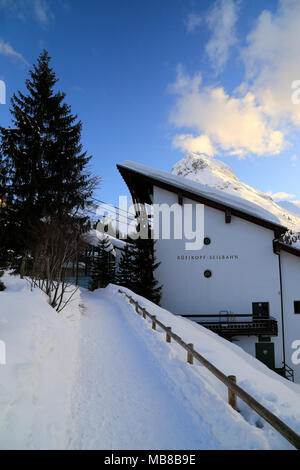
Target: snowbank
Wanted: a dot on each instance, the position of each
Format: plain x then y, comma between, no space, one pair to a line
36,382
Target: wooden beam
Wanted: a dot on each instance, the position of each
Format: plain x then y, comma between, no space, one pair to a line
180,199
232,396
228,217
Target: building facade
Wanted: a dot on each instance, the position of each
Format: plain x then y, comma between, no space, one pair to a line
244,283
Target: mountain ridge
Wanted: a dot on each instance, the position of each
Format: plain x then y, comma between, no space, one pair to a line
214,173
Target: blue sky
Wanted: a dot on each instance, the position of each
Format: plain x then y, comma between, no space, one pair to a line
151,80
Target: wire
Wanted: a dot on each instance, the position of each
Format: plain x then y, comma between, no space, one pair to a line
111,212
123,219
118,208
120,222
113,207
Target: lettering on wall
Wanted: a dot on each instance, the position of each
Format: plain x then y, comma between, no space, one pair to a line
207,257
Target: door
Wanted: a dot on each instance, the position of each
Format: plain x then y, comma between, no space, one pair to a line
266,354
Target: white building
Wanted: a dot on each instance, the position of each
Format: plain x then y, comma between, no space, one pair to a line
243,284
80,273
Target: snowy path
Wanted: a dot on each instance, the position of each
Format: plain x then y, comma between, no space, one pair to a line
123,400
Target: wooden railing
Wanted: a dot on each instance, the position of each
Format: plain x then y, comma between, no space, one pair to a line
234,390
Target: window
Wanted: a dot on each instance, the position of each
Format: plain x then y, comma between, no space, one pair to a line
297,307
207,273
260,310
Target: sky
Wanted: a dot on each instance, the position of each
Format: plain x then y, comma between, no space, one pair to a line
152,80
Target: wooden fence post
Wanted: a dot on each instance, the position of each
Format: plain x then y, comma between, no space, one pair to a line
153,322
190,356
168,336
232,397
144,313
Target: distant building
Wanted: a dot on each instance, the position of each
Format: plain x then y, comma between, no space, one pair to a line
244,284
80,272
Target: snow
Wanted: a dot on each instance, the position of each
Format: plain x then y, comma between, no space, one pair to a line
98,377
36,382
124,394
94,236
291,207
211,177
274,392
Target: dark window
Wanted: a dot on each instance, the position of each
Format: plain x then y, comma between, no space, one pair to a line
207,241
207,273
260,310
297,306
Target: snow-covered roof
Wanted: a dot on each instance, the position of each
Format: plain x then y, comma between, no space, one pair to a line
214,194
94,236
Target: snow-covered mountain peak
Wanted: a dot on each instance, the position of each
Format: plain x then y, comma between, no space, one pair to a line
205,170
214,173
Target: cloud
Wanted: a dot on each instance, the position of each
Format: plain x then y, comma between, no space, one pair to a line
281,196
188,143
272,61
294,160
221,21
235,124
24,9
259,115
185,83
7,50
42,11
192,22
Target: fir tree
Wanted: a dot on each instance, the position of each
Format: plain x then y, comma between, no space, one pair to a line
126,268
4,236
144,266
42,155
103,266
2,285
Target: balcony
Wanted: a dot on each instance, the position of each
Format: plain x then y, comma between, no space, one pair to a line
230,325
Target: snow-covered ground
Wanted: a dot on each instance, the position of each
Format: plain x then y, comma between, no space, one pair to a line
98,377
37,380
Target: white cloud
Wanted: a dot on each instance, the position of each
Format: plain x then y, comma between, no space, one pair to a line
221,21
294,160
7,50
192,22
281,196
185,83
25,9
236,124
42,11
272,61
259,115
189,143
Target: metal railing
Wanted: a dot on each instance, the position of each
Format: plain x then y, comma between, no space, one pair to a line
231,325
234,390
